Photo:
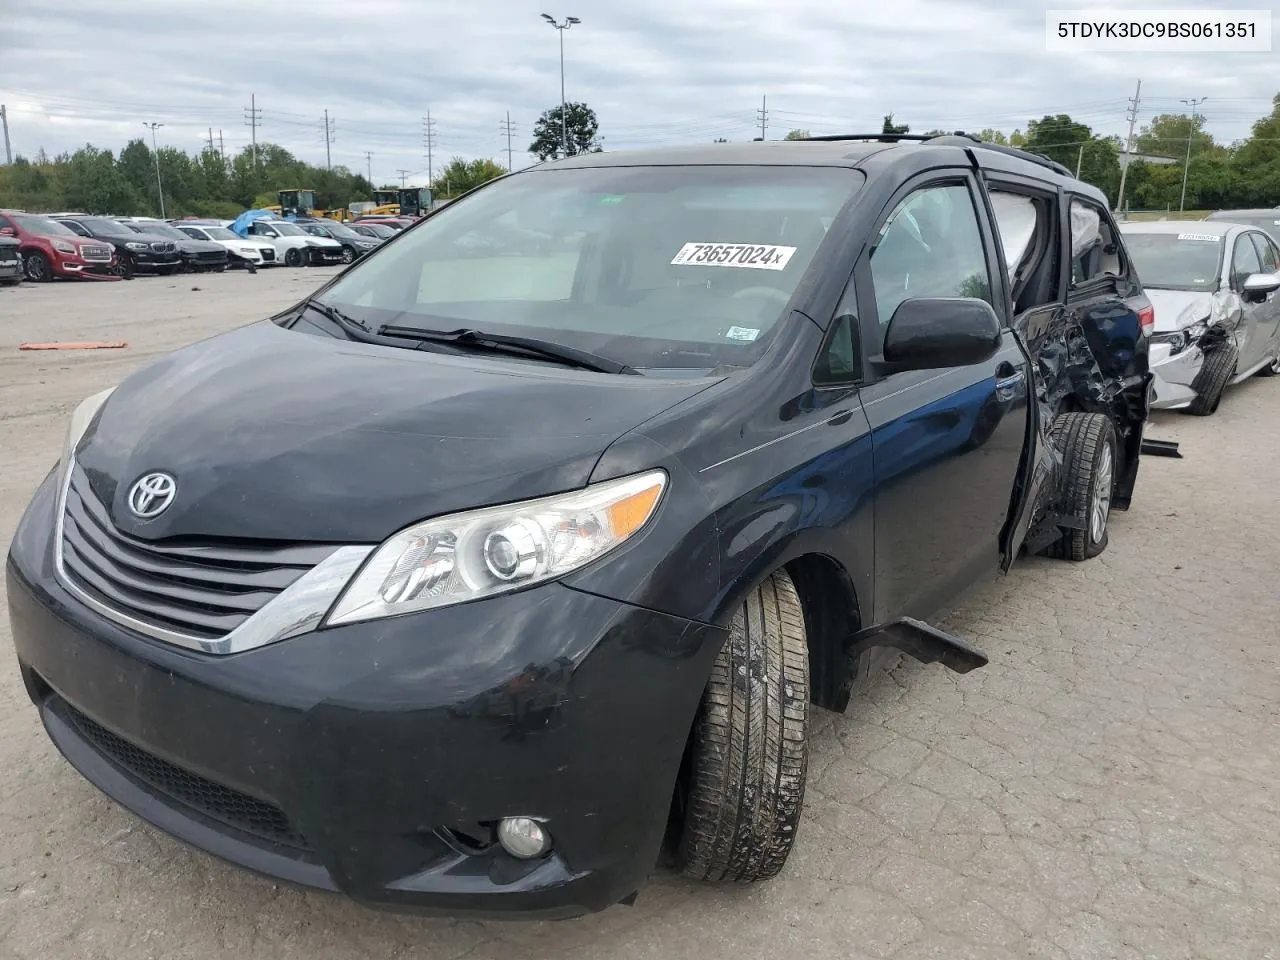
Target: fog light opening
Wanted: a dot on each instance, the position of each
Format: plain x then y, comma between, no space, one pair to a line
523,837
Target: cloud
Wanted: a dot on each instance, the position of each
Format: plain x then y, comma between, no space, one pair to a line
656,72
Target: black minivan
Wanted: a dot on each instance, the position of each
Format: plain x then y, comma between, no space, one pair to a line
520,552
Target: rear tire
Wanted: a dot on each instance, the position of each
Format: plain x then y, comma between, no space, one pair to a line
1089,448
1211,382
748,756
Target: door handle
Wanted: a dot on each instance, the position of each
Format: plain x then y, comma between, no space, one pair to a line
1007,378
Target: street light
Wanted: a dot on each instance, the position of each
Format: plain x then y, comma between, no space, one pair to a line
1186,164
564,125
155,152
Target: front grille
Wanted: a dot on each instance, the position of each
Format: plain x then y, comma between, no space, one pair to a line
8,253
180,787
212,255
268,253
95,254
199,588
163,247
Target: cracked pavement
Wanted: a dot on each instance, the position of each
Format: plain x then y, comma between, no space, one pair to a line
1105,788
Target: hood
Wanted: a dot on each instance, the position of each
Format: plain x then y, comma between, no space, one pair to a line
138,238
282,435
321,241
192,245
1178,309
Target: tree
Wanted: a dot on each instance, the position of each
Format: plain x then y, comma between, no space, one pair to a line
1074,145
988,135
1257,162
95,184
463,175
581,127
797,135
891,127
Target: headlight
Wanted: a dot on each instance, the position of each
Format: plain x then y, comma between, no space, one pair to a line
63,246
485,552
137,246
81,417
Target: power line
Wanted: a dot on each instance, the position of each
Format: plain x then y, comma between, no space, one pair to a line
253,116
429,141
404,175
508,128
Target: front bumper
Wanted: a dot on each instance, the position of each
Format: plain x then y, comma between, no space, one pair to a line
372,759
151,260
10,269
1173,374
89,269
324,254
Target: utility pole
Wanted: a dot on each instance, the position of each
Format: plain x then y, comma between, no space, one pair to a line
155,152
564,109
328,139
1132,112
508,128
404,175
222,147
4,121
1186,164
368,159
252,117
763,115
1079,161
429,141
210,141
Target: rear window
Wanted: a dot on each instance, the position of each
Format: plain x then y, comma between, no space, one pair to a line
1176,261
656,267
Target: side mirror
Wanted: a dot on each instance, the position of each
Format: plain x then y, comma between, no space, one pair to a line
929,333
1258,285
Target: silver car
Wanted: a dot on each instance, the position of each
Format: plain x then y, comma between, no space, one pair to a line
1213,285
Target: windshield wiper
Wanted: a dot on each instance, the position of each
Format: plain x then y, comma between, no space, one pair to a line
343,320
516,346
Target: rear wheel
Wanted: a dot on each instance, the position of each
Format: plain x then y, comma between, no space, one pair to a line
293,258
1211,382
1087,442
743,790
36,266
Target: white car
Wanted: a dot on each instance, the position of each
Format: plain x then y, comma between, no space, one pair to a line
254,253
293,245
1214,288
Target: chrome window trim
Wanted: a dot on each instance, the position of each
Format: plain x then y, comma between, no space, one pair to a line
298,609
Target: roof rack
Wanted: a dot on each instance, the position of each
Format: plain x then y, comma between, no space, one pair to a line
969,140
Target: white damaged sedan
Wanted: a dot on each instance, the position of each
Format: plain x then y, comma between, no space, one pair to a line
1213,285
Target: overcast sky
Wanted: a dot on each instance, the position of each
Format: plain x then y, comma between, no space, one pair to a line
655,71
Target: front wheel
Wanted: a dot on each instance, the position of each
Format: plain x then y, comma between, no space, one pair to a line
37,268
1211,382
743,790
348,254
293,258
1088,445
128,268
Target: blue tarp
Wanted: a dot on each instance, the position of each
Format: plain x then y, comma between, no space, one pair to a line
241,223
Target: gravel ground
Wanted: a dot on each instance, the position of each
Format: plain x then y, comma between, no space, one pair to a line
1105,788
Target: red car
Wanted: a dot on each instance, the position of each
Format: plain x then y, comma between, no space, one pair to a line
396,223
49,249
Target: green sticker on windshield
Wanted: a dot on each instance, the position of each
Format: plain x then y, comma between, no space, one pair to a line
613,198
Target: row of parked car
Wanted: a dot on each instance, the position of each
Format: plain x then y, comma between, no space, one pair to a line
42,247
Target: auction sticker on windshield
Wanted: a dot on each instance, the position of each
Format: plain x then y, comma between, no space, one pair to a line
1207,237
750,255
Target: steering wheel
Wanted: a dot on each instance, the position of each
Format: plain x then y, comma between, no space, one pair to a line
772,293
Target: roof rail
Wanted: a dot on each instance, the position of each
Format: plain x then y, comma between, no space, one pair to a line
967,140
884,137
1038,158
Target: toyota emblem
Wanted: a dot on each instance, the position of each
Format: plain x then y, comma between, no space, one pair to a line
151,495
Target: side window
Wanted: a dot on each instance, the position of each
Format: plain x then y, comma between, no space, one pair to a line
1244,261
1095,254
840,362
5,223
1267,253
1027,229
74,227
931,246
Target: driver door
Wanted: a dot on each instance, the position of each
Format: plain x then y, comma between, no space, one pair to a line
947,443
1253,335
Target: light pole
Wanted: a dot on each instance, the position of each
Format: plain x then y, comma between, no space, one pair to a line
564,124
1186,164
155,152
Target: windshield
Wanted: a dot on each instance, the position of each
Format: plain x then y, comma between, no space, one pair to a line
655,267
1176,261
378,230
106,227
220,233
42,226
288,229
338,230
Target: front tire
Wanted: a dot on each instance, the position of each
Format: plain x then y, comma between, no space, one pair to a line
348,255
1211,382
1089,448
37,268
293,258
748,757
